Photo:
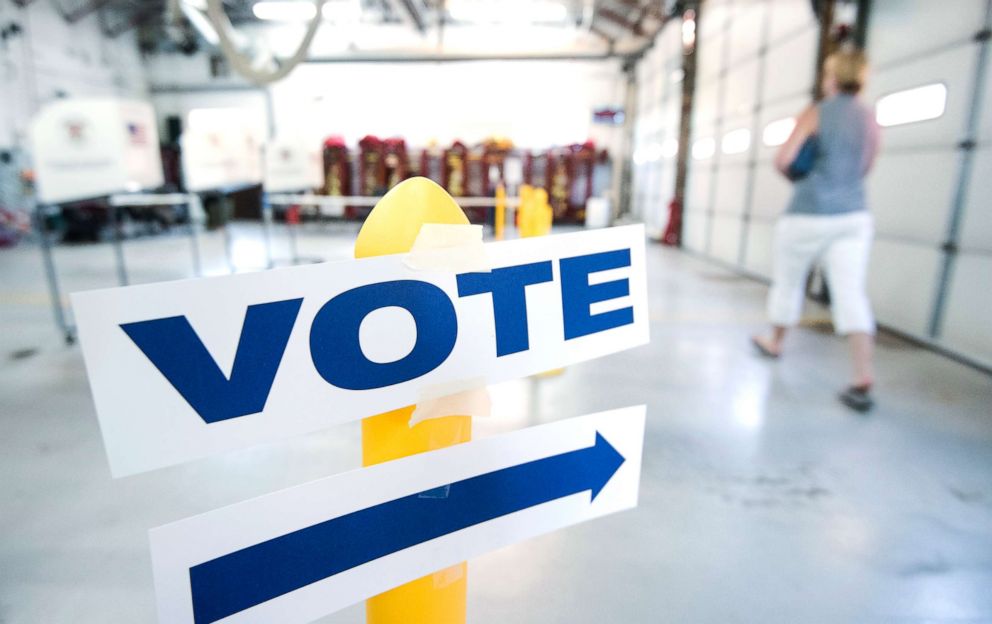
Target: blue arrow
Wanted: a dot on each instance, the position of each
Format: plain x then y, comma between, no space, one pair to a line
253,575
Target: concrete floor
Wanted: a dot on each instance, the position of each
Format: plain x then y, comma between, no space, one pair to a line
762,500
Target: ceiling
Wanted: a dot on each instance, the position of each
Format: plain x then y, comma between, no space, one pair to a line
609,26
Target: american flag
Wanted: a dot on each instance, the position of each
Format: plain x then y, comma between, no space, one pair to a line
137,134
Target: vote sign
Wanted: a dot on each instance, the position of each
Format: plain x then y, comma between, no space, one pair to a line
189,368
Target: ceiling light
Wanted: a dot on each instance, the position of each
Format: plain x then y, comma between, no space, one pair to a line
199,21
493,11
290,11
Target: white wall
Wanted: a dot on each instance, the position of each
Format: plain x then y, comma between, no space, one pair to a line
535,103
53,57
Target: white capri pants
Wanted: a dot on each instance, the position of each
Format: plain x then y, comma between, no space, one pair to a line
842,245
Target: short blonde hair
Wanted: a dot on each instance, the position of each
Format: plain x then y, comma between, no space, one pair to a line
849,69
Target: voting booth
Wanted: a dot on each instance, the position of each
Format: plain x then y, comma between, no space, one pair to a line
291,164
293,169
86,149
220,157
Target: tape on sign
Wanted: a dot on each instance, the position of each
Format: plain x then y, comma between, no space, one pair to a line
474,402
445,247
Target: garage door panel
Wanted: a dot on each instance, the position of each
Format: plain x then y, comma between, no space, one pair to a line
954,69
901,281
976,222
895,27
966,316
694,231
746,29
709,48
698,189
788,16
791,66
758,257
910,193
742,89
731,187
771,192
725,239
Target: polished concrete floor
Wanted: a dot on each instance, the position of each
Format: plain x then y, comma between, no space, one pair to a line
762,500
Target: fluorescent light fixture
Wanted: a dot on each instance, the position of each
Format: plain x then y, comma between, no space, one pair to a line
703,148
778,131
911,105
290,11
499,11
199,21
669,148
304,10
736,141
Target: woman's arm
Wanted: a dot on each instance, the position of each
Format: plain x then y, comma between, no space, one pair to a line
871,149
806,126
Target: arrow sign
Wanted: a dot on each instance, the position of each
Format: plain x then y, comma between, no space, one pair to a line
345,557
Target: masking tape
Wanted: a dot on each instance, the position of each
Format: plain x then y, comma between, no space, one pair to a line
446,247
453,400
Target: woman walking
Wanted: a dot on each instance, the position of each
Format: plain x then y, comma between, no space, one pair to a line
827,220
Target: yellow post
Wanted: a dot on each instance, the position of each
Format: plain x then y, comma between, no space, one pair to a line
499,216
391,228
523,210
541,215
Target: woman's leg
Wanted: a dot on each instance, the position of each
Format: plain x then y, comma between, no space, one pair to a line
846,263
795,248
862,358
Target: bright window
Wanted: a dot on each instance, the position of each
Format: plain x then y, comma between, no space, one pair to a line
916,104
669,148
703,148
777,132
736,141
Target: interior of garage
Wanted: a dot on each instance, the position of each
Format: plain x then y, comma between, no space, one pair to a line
762,497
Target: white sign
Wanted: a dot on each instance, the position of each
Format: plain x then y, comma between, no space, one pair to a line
221,154
291,165
301,553
185,369
86,148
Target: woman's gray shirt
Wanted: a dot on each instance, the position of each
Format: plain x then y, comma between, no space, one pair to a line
836,183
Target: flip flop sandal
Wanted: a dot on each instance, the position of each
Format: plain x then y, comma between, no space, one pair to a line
763,351
857,398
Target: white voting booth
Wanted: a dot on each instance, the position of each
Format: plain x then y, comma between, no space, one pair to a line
221,153
86,149
291,164
292,168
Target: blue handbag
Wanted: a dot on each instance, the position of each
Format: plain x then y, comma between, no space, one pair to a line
803,163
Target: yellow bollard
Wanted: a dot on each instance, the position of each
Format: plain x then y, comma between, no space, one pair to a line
390,228
541,215
523,210
499,215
